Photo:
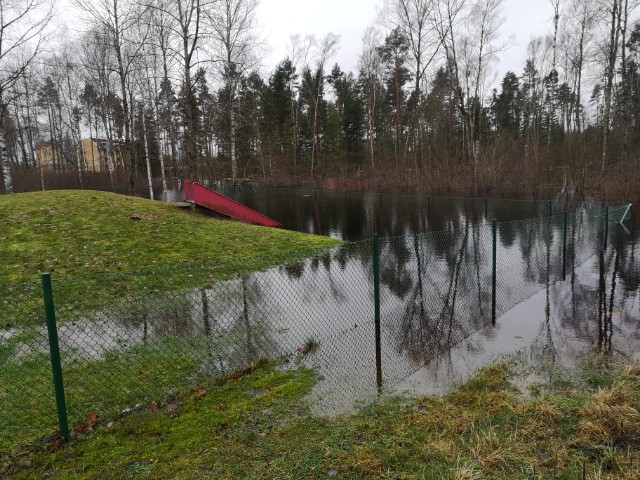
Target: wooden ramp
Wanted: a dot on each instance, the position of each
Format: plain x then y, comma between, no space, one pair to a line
207,198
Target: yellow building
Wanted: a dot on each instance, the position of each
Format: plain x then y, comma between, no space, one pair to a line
92,151
49,156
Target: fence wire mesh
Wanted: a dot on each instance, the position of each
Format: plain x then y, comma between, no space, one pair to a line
27,403
131,339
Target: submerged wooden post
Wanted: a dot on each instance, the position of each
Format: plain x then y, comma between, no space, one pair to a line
376,300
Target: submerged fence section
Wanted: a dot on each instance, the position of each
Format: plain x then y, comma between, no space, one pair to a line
125,341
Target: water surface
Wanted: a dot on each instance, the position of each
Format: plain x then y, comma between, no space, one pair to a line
436,286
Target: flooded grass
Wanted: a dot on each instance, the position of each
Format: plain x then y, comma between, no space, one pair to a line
117,381
74,234
257,425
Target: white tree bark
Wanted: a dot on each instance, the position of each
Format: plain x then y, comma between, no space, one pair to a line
23,27
4,154
236,44
146,155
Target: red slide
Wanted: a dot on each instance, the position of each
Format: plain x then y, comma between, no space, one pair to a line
196,193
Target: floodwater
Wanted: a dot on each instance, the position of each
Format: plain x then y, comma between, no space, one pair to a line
436,297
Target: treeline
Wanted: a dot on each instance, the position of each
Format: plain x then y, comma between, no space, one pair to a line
173,86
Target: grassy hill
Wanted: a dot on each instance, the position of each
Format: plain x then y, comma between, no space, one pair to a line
72,233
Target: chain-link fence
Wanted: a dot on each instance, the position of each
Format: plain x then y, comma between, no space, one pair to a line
131,339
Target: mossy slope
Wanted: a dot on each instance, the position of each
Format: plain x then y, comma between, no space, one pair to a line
72,233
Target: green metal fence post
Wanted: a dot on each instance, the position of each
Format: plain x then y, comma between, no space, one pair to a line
486,206
54,349
606,227
376,299
493,290
564,245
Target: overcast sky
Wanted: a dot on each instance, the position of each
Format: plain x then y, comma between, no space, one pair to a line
350,18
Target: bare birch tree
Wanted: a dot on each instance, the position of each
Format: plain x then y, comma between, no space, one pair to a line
481,45
613,43
235,49
118,19
371,73
23,28
581,21
188,20
316,57
447,20
415,20
98,62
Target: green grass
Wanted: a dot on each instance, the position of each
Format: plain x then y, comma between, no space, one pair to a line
257,425
90,245
106,265
79,233
115,379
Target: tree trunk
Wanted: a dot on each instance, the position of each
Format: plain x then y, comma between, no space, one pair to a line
625,86
314,134
579,82
146,155
232,135
79,153
156,117
125,106
109,161
190,148
398,116
610,73
4,154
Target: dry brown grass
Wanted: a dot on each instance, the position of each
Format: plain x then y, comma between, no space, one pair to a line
612,417
493,451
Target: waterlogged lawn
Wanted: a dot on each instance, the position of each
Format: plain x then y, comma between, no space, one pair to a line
105,386
257,426
116,258
91,242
